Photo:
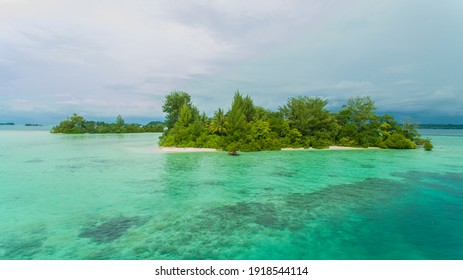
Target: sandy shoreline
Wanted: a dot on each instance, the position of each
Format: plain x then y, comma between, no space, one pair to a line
201,150
185,150
339,148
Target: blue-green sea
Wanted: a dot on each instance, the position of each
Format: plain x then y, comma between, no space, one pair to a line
119,197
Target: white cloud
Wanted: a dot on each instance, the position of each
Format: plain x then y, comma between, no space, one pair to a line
81,47
110,57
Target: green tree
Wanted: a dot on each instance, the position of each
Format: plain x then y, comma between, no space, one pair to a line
236,117
120,121
261,137
399,141
360,111
260,113
427,144
185,117
359,121
409,129
77,124
73,125
249,110
173,104
154,126
219,123
308,116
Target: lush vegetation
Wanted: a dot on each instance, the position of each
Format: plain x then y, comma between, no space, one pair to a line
427,145
302,122
77,124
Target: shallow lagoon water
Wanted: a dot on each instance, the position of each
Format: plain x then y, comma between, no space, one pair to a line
118,197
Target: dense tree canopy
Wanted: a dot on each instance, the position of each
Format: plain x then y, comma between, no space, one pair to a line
309,117
302,122
218,124
173,105
76,124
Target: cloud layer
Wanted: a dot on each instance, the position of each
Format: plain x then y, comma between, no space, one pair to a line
102,58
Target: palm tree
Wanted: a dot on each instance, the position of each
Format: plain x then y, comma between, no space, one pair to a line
219,123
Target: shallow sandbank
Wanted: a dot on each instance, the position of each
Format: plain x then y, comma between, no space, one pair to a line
185,150
340,148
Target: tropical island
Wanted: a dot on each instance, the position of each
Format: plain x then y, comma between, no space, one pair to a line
76,124
303,122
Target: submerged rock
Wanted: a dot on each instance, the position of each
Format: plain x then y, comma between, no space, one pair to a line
233,153
110,230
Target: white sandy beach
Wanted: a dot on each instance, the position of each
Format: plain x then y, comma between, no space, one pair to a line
185,150
339,148
199,150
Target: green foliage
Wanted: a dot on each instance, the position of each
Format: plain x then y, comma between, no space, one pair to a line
260,137
73,125
347,142
398,141
359,111
358,121
183,121
213,141
409,129
308,117
77,125
174,103
232,148
219,123
348,133
249,110
320,143
427,144
301,122
185,117
120,121
154,127
236,115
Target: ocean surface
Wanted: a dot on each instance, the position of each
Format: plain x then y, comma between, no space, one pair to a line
118,197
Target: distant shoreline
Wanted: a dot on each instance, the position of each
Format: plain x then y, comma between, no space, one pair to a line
203,150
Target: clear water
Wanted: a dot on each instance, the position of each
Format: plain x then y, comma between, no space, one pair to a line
118,197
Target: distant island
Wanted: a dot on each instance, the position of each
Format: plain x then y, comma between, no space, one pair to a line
303,122
8,123
76,124
440,126
33,124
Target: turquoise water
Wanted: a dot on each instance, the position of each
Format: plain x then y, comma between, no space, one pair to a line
118,197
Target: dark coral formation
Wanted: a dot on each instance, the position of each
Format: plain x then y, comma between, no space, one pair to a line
109,230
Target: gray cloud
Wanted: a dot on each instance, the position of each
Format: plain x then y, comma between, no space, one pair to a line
106,57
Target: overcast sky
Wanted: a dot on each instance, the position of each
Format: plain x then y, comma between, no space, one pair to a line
100,58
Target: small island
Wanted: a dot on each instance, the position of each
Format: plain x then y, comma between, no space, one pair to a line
7,123
76,124
303,122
